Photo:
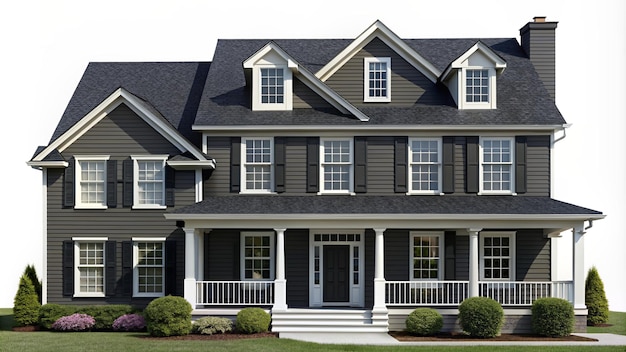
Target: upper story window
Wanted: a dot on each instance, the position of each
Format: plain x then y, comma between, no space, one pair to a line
497,256
426,256
89,263
477,86
425,165
91,181
257,256
258,159
496,160
272,86
149,179
337,165
149,269
377,80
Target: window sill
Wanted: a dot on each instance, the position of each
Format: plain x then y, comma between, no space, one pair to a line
489,193
147,295
342,193
148,206
257,192
89,295
415,193
86,206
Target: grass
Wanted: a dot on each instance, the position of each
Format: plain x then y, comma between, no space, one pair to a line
131,342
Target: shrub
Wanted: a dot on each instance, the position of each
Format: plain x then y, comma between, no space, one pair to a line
212,325
74,322
252,320
32,275
129,322
25,305
481,317
168,316
595,299
424,321
105,315
49,313
552,317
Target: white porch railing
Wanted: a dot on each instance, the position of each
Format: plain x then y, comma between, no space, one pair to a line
428,293
249,293
452,293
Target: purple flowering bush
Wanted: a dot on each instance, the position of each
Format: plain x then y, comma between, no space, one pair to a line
129,322
74,322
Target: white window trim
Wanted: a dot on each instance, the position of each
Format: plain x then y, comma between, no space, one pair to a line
242,254
350,189
439,164
512,237
77,180
136,159
242,175
287,89
366,71
441,269
491,104
77,242
481,169
136,292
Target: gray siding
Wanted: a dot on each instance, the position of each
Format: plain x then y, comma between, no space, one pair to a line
539,44
304,97
397,255
538,166
462,258
297,267
370,255
380,166
217,182
532,256
408,85
460,154
295,167
222,253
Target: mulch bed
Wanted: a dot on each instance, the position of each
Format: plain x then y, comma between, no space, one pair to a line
443,337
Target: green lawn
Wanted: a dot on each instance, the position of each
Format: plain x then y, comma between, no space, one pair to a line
130,342
618,322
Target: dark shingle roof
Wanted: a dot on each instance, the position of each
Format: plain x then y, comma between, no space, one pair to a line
361,204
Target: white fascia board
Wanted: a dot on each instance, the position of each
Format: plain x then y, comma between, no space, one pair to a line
378,29
498,63
103,109
50,164
269,47
191,164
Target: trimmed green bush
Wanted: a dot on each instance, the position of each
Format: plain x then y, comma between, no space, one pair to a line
424,322
168,316
252,320
481,317
25,305
32,275
595,299
105,315
212,325
553,317
49,313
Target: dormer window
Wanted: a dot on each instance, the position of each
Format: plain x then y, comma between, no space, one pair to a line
477,86
377,80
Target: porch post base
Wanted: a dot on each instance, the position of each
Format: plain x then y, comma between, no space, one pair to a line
190,291
379,296
280,295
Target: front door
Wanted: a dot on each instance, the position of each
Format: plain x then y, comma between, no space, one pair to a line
336,273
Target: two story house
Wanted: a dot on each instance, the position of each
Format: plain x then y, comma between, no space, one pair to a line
337,183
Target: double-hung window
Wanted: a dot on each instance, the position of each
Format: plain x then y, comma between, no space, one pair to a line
257,256
497,256
497,165
377,80
149,269
476,86
89,256
272,86
257,165
91,176
149,178
425,165
426,255
337,165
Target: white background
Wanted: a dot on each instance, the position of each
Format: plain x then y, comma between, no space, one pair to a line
46,45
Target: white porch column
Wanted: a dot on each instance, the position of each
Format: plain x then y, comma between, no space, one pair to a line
190,266
379,271
578,275
280,283
473,262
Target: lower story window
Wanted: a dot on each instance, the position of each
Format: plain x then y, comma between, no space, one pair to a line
257,255
149,273
426,254
89,260
498,256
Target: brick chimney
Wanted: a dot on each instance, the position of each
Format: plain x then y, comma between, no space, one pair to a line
539,44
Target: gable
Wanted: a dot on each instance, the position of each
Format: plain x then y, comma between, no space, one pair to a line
408,84
305,98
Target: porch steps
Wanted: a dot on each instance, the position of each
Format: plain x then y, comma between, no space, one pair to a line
327,320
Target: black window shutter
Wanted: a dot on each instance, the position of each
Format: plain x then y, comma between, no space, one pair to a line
68,183
126,287
472,167
360,164
127,167
450,255
448,165
279,164
400,161
235,164
111,268
112,183
68,268
170,268
520,164
312,164
170,186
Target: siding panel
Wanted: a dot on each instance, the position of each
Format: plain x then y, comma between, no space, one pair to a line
380,166
297,267
532,256
538,165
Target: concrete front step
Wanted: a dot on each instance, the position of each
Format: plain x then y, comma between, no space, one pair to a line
326,320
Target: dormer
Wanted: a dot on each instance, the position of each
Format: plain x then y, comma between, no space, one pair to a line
471,78
272,78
